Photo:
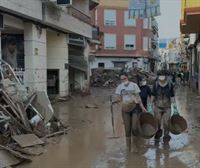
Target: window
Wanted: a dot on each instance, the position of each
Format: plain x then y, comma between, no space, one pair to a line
110,41
110,17
129,42
145,23
145,43
101,65
150,43
119,64
129,21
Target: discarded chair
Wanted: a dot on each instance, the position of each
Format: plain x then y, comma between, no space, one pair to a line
147,125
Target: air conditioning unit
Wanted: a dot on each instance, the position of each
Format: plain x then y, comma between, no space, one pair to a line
64,2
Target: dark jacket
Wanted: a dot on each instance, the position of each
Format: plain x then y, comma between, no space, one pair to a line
145,92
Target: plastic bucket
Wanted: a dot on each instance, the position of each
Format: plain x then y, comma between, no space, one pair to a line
177,124
147,125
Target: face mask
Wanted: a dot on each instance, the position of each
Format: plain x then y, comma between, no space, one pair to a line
161,78
144,83
126,82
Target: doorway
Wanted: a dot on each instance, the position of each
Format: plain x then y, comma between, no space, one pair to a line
53,81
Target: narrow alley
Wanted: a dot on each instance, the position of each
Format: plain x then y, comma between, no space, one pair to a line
91,143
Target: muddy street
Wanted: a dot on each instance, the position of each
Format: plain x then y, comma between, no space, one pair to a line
91,143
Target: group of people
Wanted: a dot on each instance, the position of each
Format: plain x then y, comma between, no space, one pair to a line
137,98
183,77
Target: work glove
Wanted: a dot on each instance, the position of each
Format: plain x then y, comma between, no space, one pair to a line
150,108
174,109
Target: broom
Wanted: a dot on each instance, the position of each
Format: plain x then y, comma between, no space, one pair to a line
112,119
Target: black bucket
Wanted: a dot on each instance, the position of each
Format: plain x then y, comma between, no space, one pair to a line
147,125
177,124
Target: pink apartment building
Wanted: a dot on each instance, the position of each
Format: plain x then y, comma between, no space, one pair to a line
124,41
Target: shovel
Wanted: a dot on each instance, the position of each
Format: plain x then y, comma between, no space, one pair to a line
112,119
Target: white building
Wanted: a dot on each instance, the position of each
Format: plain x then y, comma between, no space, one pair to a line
39,35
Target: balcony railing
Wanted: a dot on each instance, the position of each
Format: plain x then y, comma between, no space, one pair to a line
78,14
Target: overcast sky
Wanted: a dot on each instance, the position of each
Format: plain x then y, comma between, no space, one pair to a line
168,22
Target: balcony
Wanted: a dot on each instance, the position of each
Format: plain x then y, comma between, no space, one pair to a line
154,26
69,20
28,9
190,20
78,14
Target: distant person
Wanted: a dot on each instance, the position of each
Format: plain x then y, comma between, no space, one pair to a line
174,78
186,77
145,92
181,76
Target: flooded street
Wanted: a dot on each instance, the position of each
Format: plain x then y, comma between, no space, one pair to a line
91,143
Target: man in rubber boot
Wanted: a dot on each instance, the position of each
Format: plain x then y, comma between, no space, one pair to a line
128,95
162,97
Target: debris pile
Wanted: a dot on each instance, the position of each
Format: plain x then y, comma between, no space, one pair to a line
26,119
109,78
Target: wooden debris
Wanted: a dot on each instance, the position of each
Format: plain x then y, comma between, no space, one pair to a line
16,154
14,120
30,100
109,78
33,151
7,159
56,133
10,103
91,106
27,140
23,115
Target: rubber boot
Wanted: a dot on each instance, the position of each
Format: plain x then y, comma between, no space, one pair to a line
158,135
135,144
166,138
128,144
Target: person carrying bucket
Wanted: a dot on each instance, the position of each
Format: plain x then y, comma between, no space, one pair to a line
128,94
162,98
145,92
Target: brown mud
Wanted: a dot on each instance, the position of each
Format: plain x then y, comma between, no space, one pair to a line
90,143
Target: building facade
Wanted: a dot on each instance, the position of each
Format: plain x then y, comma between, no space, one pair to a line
190,29
125,42
170,54
38,37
